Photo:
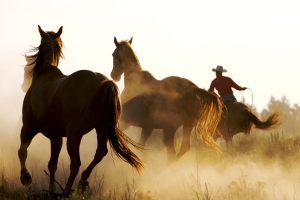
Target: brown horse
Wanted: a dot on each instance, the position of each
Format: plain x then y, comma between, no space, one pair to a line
70,106
238,118
163,104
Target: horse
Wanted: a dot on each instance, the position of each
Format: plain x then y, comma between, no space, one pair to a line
70,106
237,118
163,104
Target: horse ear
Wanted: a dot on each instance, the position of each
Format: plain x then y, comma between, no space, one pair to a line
41,31
59,32
130,41
116,42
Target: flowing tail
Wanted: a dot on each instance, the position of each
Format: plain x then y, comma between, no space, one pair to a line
110,111
272,121
208,117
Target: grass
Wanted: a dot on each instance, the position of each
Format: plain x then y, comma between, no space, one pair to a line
203,174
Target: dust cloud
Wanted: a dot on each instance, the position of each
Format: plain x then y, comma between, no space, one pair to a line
198,173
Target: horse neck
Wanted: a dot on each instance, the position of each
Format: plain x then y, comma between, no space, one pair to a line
28,78
51,74
137,82
138,76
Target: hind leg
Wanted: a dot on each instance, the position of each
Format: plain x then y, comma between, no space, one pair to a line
56,144
100,153
146,132
27,134
169,134
73,143
186,144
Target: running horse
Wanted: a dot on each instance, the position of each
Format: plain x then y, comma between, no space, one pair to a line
163,104
238,118
70,106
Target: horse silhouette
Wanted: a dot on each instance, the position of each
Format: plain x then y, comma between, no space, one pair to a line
238,118
163,104
70,106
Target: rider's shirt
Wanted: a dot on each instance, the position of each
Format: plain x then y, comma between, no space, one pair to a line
223,85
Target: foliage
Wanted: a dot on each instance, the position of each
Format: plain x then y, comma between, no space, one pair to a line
290,114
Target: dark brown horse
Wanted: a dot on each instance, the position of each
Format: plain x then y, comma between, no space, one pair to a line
70,106
238,118
163,104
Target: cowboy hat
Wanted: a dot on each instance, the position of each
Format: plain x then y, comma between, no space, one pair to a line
219,68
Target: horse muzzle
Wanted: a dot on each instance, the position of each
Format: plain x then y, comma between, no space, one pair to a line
115,76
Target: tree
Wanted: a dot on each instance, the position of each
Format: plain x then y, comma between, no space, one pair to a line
290,116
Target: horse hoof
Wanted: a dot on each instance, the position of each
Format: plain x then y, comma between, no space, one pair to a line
83,185
26,178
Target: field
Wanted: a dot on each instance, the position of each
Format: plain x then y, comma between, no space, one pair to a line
263,165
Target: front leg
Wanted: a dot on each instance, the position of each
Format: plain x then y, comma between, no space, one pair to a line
146,132
169,134
186,144
27,134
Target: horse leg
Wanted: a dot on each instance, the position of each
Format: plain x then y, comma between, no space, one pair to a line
186,144
169,134
27,134
73,143
123,125
229,142
100,153
146,132
56,144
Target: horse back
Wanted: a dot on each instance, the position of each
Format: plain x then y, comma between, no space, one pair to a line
64,101
236,106
175,86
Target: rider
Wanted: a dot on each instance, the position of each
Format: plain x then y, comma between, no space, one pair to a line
223,84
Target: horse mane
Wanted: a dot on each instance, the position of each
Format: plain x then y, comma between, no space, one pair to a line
125,46
27,77
148,76
49,51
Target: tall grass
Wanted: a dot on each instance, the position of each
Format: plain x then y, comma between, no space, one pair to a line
201,174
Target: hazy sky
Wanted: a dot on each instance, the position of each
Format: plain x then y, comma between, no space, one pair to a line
258,42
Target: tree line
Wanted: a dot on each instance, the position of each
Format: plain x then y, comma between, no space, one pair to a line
290,114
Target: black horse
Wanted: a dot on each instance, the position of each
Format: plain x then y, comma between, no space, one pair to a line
70,106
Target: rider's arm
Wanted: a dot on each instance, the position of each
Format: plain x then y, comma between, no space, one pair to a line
236,86
212,87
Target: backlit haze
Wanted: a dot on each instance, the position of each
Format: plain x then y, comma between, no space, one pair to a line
257,41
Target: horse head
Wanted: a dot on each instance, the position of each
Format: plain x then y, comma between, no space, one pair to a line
55,39
48,53
50,34
124,59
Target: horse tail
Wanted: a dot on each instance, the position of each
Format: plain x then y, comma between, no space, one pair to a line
110,111
208,117
272,121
